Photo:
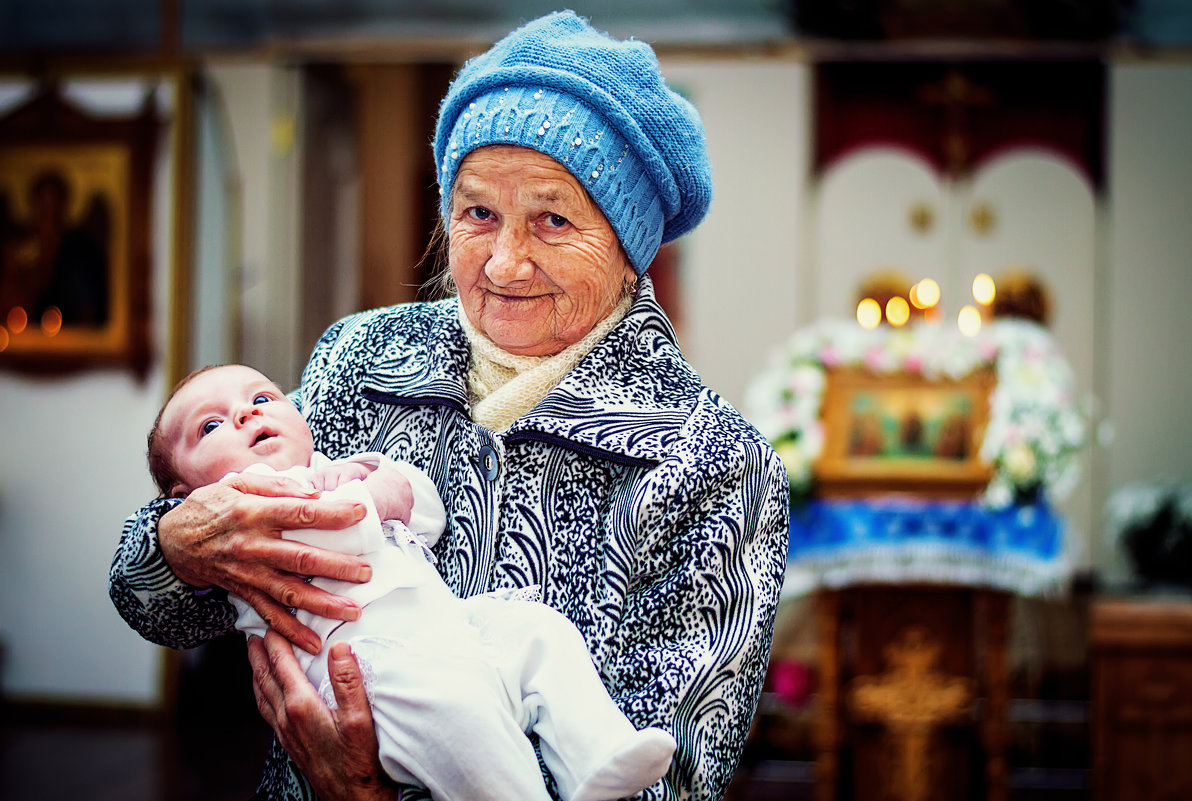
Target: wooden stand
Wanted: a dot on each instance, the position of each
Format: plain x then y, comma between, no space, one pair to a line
1142,699
912,694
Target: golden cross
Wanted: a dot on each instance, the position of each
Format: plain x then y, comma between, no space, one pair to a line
910,699
956,93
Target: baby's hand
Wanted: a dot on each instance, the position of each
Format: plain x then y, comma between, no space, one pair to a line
391,492
336,475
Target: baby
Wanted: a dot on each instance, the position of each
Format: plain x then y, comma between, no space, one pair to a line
454,684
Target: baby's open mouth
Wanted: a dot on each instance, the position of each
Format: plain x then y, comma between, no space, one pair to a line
264,435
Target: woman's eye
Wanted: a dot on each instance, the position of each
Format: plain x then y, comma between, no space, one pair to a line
480,213
556,220
209,426
262,398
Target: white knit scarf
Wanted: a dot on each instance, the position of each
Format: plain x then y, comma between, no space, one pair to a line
503,386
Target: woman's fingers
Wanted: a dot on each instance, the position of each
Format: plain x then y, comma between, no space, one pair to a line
335,749
221,536
304,560
301,595
285,514
285,697
271,569
279,619
273,486
286,670
354,726
353,714
282,504
264,687
261,504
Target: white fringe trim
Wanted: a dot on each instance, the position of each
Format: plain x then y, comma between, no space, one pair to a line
927,564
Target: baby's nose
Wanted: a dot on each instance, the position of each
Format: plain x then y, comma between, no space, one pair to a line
246,413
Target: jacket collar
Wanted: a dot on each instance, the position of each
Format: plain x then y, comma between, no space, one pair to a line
426,361
625,400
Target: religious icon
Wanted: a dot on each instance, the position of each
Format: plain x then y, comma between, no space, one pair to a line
903,433
53,262
74,234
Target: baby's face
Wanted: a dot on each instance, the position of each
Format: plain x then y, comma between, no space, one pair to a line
228,418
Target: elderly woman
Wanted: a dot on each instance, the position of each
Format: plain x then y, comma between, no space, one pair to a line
573,446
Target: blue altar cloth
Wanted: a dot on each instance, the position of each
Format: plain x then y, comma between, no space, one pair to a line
836,543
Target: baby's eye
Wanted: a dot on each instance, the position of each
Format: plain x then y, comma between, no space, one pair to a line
262,398
208,427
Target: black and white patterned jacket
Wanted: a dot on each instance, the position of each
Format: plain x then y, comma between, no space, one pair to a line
651,514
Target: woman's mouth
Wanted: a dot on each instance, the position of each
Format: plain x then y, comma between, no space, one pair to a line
514,298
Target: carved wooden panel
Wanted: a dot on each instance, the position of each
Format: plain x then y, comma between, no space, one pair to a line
1142,702
904,671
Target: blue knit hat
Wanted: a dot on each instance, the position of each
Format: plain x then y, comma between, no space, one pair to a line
599,107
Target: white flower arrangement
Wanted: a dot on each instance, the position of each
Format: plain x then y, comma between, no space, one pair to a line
1035,429
1151,523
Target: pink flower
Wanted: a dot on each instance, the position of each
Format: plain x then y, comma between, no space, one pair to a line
1014,434
828,356
791,680
873,359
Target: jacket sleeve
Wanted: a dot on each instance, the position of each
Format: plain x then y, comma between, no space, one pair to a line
710,526
152,600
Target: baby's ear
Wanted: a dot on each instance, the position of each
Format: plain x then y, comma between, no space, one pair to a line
179,490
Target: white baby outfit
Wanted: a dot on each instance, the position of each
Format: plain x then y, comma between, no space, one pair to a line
455,684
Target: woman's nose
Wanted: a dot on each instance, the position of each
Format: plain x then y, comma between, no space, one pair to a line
510,260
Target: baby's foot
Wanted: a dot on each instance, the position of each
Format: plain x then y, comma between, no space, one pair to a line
638,764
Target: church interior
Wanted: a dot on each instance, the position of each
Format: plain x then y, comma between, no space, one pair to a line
945,273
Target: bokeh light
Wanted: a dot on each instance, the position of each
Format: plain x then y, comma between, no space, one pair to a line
3,338
925,294
51,321
984,289
898,311
969,321
869,313
17,319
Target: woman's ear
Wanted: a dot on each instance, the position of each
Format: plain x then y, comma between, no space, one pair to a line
179,490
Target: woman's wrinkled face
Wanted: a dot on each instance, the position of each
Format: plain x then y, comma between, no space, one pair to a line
535,262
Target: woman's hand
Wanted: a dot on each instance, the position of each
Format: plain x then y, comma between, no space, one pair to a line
336,749
229,535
